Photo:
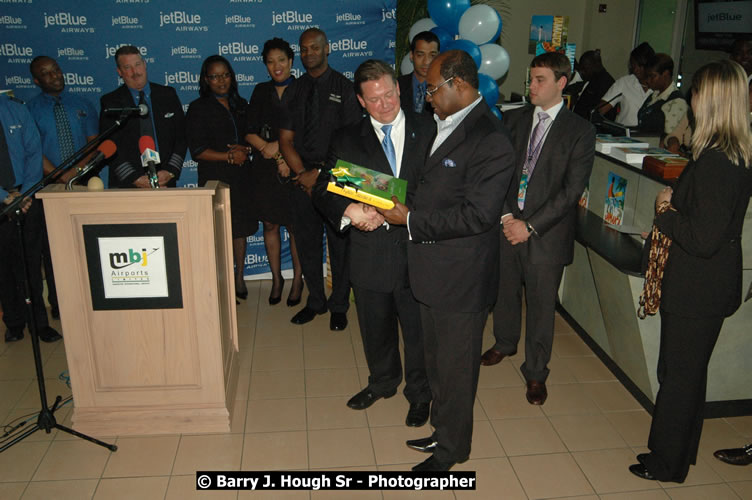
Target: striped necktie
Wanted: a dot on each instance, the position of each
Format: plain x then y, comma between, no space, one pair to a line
64,134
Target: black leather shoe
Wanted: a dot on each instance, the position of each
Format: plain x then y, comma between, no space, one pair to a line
641,471
735,456
431,464
14,335
417,415
273,300
641,457
291,302
366,398
338,322
305,315
49,334
426,445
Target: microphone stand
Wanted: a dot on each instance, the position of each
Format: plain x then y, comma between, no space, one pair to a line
46,420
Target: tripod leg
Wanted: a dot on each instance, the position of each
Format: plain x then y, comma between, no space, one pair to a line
63,428
19,438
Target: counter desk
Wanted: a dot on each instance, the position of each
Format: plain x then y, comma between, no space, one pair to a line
600,291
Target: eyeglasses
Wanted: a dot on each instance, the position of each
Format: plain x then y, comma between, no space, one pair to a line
431,92
218,76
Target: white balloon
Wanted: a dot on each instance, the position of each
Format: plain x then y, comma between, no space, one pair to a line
424,24
407,65
479,24
494,60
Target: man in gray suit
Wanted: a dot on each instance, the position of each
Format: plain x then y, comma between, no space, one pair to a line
554,151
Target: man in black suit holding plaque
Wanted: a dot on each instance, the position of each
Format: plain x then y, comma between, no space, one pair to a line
394,142
554,156
453,256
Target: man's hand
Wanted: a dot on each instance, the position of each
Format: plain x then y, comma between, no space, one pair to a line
396,215
23,206
515,230
142,182
664,196
237,154
306,180
163,177
364,217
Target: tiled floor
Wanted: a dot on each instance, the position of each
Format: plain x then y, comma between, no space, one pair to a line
291,414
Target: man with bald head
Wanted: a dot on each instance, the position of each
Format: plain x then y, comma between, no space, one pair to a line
453,254
320,101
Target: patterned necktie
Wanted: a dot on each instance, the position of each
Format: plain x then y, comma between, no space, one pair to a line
146,125
533,152
310,133
7,176
388,146
420,98
64,134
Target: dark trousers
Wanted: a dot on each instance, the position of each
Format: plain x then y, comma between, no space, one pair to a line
453,342
12,292
308,228
49,275
378,313
541,283
686,347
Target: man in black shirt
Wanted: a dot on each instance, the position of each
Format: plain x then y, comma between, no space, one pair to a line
322,100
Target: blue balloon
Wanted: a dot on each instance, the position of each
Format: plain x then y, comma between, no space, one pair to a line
447,13
468,47
443,35
498,31
488,89
496,112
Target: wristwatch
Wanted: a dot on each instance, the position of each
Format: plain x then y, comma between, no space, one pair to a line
530,229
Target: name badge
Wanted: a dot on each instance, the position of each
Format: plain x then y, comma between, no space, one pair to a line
335,98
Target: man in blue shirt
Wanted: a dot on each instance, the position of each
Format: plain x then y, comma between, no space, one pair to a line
66,122
424,47
20,169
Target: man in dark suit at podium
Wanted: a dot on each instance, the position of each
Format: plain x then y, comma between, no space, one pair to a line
164,123
554,156
423,49
453,256
394,142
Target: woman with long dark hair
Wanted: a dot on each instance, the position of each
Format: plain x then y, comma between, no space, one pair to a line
702,282
215,127
271,175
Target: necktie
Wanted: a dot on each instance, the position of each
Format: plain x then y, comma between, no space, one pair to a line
388,146
311,119
7,176
146,125
533,152
64,134
420,98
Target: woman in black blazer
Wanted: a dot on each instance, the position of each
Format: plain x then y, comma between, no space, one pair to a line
703,275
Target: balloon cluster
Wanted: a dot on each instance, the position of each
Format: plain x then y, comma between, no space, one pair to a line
478,27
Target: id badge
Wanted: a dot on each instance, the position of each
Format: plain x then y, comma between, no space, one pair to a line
523,189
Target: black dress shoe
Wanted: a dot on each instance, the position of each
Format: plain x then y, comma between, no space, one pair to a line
305,315
14,335
641,471
49,334
431,464
366,398
291,302
641,457
278,298
536,392
338,322
735,456
426,445
417,415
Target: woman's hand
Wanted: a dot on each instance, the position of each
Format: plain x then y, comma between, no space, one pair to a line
236,154
271,149
664,196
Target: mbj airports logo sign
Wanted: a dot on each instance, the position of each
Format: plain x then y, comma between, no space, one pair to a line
133,267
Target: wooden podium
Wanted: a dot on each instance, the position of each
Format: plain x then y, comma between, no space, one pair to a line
150,330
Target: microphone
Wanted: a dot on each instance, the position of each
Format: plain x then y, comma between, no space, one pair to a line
104,151
149,158
603,104
141,109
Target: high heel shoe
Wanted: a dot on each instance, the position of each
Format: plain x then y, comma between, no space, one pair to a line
241,291
276,300
294,302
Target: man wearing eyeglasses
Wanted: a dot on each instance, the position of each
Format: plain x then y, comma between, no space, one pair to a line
453,256
164,123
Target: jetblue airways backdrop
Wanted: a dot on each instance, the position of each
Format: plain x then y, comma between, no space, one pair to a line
175,37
